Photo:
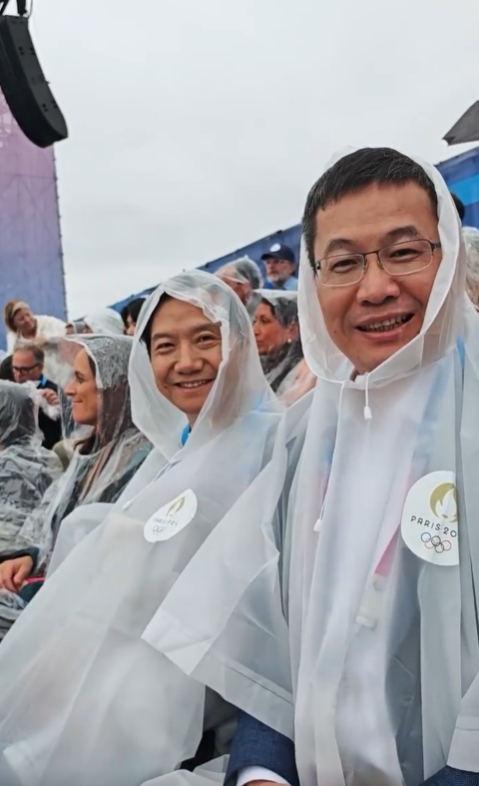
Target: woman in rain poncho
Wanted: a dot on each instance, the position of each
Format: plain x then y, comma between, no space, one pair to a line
383,682
102,465
277,336
93,704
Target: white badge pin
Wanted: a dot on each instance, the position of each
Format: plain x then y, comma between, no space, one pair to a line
275,247
171,518
429,524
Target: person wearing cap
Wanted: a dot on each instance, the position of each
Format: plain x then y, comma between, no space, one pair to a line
280,263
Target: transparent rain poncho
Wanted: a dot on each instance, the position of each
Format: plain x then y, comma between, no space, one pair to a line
104,463
471,239
244,271
83,699
382,637
26,469
105,321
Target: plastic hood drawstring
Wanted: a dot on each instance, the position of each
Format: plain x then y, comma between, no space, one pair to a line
319,522
368,415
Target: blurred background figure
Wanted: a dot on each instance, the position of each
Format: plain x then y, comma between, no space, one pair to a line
75,328
26,469
104,322
280,264
471,239
6,372
130,314
22,325
276,330
28,362
244,277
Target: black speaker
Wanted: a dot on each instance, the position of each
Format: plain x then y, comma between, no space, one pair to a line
24,86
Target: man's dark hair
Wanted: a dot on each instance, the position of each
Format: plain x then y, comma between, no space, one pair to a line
37,352
146,335
459,206
6,372
355,171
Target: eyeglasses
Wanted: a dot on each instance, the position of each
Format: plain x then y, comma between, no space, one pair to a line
24,369
400,259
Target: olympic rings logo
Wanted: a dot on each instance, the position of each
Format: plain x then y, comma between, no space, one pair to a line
435,542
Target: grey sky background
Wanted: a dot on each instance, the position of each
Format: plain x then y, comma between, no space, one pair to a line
197,126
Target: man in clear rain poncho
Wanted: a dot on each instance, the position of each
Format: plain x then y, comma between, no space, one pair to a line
350,625
83,699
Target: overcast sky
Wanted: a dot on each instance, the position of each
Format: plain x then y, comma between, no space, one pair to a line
197,126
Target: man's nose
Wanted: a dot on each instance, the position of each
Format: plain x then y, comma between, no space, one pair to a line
376,284
187,360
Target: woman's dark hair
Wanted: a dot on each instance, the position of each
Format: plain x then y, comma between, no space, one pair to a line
285,311
132,310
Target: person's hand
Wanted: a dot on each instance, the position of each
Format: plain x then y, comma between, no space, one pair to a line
14,572
51,397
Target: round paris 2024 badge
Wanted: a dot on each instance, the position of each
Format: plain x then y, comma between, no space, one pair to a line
171,518
429,524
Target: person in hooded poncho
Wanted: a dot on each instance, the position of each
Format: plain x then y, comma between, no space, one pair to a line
83,699
105,321
102,465
276,330
244,277
351,627
26,469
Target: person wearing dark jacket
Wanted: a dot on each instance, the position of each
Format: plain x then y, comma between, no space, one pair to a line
27,366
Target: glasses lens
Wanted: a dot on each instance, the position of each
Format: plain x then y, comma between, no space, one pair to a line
341,270
404,258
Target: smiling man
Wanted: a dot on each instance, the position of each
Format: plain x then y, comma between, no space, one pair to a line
374,268
359,664
383,318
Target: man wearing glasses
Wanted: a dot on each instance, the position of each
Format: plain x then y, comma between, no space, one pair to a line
379,533
27,366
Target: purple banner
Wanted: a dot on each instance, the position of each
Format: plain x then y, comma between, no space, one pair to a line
31,260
